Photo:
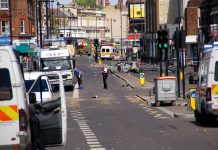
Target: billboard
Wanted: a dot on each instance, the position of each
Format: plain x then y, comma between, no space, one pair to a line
136,11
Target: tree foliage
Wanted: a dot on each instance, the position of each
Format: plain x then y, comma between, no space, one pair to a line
86,3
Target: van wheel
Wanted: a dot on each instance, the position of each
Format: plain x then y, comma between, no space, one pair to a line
173,103
157,104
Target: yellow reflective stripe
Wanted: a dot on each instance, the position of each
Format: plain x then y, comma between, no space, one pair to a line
9,112
215,90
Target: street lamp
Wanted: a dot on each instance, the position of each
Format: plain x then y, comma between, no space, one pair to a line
70,20
64,19
58,4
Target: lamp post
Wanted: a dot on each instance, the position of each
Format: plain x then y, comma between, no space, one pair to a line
58,4
64,19
70,20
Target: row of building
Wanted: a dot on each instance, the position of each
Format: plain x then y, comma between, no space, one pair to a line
133,20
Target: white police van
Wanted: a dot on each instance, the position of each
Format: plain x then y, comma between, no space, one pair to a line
15,107
207,87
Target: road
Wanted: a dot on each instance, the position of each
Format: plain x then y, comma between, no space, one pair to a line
117,120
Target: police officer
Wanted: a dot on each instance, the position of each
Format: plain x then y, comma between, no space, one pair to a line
105,75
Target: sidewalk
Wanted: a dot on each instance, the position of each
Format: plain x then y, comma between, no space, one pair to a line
180,110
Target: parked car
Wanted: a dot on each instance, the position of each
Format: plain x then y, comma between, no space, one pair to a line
123,67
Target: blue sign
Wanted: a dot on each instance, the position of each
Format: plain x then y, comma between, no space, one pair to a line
193,94
142,75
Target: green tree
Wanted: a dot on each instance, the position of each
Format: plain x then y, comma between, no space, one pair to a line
87,3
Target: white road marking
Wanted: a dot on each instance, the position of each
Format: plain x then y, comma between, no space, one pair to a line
98,148
91,143
95,146
91,140
166,111
76,91
90,137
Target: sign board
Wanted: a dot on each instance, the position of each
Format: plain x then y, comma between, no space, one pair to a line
55,53
142,79
191,39
136,11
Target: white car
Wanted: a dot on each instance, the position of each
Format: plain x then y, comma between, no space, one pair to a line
46,89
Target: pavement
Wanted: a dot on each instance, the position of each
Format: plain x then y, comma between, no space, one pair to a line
181,109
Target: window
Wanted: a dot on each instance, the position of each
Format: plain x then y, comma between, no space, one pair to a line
5,85
216,71
107,50
36,88
4,4
5,27
103,50
22,27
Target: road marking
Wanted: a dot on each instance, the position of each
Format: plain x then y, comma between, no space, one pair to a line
91,140
91,143
92,146
97,149
166,111
76,91
90,137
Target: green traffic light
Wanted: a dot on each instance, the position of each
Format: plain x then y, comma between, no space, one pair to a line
160,45
165,45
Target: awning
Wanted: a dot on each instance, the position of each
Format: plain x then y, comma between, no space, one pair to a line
23,48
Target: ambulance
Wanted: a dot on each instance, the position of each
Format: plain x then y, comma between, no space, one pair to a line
16,103
108,51
207,87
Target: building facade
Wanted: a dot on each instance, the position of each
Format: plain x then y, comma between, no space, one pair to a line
22,26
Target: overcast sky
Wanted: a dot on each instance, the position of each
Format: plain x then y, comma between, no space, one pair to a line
68,1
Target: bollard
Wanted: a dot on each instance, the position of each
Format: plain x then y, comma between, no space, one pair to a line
192,92
99,61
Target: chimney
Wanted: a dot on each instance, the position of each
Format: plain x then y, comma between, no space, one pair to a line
120,4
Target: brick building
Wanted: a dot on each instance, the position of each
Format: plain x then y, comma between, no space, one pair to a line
192,25
22,25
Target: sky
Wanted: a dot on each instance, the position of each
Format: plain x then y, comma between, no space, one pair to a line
68,1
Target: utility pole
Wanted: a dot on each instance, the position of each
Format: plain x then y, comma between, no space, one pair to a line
37,25
121,29
64,19
10,14
177,50
40,23
46,13
58,4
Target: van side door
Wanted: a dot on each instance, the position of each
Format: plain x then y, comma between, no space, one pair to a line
51,115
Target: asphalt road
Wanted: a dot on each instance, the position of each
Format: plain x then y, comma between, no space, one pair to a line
117,120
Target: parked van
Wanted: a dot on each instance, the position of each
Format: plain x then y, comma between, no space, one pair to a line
108,51
46,89
207,87
17,126
14,115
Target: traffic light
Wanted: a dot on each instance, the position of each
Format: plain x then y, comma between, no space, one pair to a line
165,39
96,42
159,39
162,38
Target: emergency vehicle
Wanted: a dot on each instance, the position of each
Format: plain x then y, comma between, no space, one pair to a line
58,60
108,51
207,87
15,131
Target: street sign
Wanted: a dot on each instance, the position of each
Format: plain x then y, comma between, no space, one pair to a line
142,79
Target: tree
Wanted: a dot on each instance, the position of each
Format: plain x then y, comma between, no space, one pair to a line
86,3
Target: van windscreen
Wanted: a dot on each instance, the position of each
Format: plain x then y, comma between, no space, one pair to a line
5,85
216,71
